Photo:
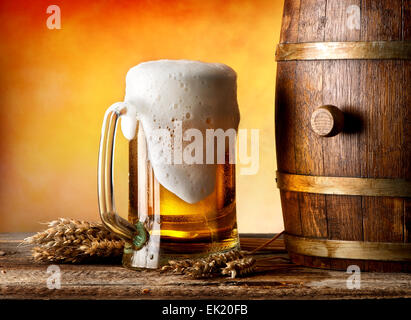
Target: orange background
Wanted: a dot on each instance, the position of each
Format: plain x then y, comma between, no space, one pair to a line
56,84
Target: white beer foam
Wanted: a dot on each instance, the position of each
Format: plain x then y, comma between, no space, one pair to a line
165,93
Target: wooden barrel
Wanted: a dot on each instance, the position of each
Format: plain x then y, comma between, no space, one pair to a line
343,133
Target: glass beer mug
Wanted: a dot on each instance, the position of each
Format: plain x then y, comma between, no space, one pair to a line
178,207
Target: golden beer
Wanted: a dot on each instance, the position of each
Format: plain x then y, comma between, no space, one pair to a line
183,229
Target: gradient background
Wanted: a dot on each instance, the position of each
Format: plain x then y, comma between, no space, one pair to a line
56,84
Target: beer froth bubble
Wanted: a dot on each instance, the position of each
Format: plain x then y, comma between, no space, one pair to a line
209,89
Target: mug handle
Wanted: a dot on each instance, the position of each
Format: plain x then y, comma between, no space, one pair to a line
136,234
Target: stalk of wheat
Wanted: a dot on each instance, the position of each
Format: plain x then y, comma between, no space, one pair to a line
239,267
233,263
74,241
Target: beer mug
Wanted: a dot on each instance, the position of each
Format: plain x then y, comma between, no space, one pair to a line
177,115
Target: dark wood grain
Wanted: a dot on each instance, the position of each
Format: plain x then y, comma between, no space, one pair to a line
383,219
406,35
21,278
383,109
309,150
308,96
342,155
290,204
289,27
407,221
375,96
406,23
406,118
381,20
285,132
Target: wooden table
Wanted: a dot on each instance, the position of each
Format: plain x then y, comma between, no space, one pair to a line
21,278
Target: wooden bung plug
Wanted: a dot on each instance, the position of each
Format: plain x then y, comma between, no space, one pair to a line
327,121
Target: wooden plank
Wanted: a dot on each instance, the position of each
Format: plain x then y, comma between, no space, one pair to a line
291,212
406,120
312,21
289,26
383,221
383,155
406,36
21,278
365,266
383,107
341,85
308,92
285,149
308,150
391,212
407,221
313,215
406,20
383,92
381,20
340,24
249,243
284,116
344,218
